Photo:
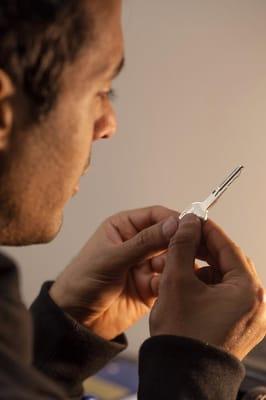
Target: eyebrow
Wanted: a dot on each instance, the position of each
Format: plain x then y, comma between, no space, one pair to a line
118,69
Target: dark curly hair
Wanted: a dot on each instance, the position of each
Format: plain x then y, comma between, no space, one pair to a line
37,39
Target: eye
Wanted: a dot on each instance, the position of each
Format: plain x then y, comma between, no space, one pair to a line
110,94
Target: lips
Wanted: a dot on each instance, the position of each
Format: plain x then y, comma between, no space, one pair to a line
76,189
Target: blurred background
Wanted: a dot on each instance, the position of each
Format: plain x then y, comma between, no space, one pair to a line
191,106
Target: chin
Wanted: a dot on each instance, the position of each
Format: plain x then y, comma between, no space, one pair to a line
49,233
23,236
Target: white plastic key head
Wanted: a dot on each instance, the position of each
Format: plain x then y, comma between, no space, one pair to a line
196,209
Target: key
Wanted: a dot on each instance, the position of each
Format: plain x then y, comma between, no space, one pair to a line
200,209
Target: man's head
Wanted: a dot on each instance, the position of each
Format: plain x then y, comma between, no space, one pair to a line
57,62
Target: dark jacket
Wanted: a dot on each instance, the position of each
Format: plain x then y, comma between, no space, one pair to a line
47,355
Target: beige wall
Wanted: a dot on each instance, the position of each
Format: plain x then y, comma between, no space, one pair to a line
191,106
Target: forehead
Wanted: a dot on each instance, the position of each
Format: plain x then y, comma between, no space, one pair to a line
99,59
107,50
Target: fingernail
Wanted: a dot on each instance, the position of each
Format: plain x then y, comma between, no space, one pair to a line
170,227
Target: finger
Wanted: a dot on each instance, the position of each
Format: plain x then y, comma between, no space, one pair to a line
158,263
183,248
155,284
254,272
142,218
146,244
228,256
141,283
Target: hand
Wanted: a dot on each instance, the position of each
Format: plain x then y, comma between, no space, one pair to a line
108,286
228,312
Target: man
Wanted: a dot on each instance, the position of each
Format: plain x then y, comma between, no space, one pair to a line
57,62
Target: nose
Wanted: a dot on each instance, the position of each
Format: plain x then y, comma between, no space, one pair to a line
105,127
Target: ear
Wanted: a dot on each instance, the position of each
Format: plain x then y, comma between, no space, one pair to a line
7,91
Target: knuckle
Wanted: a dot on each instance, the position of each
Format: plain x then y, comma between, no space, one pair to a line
183,238
261,295
114,218
235,248
251,263
159,212
251,294
175,242
249,260
260,318
249,280
158,207
143,238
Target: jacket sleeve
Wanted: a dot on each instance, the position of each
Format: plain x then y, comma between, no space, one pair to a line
64,350
172,367
18,380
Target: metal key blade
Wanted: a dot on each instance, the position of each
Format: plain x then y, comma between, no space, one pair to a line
201,208
217,193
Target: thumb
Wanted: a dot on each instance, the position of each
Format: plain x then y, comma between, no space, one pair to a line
183,248
148,242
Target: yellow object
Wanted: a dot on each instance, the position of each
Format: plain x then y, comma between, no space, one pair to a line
105,390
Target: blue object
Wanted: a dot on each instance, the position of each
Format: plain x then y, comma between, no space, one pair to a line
123,372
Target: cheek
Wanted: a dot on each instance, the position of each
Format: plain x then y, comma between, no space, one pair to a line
68,140
80,127
81,143
71,152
